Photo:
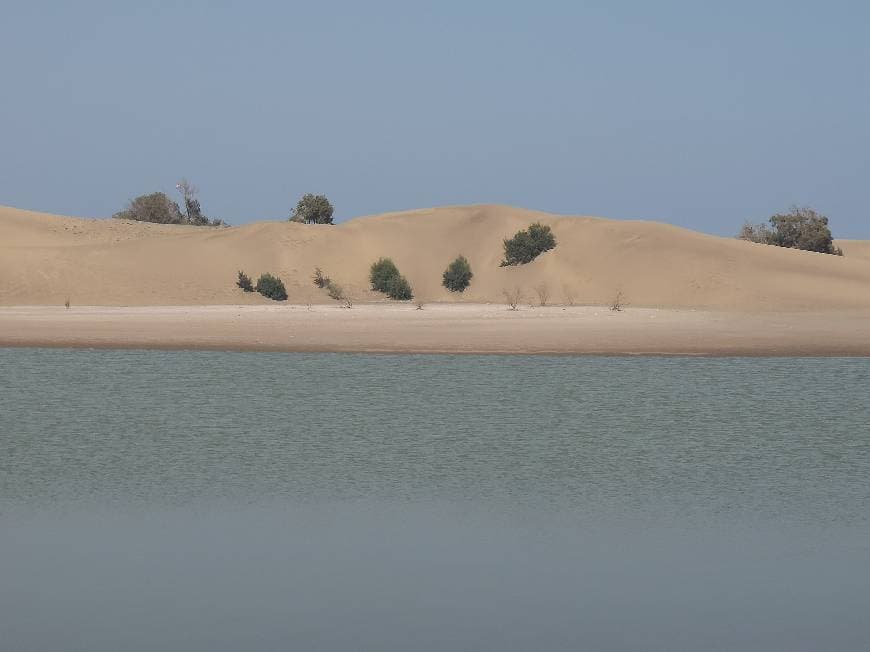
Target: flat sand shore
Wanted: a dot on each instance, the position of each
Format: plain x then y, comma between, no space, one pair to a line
441,328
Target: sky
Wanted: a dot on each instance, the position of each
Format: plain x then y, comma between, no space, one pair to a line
701,114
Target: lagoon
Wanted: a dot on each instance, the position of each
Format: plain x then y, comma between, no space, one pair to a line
218,501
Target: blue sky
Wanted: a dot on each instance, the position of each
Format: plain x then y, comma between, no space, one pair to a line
697,113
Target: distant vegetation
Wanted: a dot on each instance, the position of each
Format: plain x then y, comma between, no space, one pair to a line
333,289
312,209
458,275
528,244
271,287
158,208
385,277
398,288
320,280
800,228
244,282
513,297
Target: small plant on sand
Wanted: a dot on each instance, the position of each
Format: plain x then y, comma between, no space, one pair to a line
513,297
568,294
381,272
319,279
66,303
385,277
618,304
399,289
336,292
458,275
528,244
419,303
543,293
271,287
244,282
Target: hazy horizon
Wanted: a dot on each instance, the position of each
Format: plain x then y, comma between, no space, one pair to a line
704,117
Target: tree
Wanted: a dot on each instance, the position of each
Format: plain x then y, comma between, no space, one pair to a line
458,275
244,282
398,288
800,228
156,208
312,209
192,206
271,287
528,244
381,272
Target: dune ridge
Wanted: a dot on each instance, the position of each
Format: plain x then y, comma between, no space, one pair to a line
45,259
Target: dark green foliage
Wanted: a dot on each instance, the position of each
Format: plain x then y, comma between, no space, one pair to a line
312,209
801,228
385,277
319,279
381,273
458,275
527,245
156,207
244,282
271,287
398,288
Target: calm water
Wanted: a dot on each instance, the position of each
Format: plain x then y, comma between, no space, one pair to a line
229,501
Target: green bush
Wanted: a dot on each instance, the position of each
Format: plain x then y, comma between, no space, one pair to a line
271,287
380,274
801,228
528,244
458,275
398,288
156,208
244,282
312,209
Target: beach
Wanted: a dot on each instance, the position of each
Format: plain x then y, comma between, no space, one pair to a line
440,328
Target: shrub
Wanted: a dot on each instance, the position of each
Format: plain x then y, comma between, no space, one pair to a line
271,287
244,282
319,279
398,288
513,297
335,291
381,272
618,302
312,209
528,244
800,228
458,275
156,208
543,293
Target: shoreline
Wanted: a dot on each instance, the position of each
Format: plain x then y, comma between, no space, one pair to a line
479,329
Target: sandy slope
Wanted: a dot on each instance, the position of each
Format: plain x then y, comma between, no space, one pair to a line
46,258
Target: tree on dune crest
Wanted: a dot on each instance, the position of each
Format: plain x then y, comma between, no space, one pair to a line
800,228
155,207
312,209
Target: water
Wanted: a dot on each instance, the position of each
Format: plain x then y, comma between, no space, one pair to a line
261,501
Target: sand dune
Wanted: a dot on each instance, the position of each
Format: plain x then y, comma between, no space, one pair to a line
45,258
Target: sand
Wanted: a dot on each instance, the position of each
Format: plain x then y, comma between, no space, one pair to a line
441,328
146,285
